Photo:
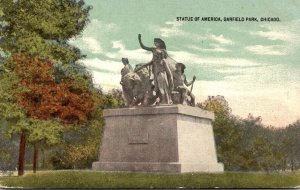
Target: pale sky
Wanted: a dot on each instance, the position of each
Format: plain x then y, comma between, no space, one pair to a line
254,65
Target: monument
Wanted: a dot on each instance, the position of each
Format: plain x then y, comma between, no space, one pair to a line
161,130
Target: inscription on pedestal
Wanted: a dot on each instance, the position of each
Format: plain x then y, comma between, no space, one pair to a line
138,136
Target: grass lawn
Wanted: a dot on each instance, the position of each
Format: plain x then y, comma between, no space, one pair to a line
92,179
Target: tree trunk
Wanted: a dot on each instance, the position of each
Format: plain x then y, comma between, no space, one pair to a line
21,154
43,158
35,157
292,165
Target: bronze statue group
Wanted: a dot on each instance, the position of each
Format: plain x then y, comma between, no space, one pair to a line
160,82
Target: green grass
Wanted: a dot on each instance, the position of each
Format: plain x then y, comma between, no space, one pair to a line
91,179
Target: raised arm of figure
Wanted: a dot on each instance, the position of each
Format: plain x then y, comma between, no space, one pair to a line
142,45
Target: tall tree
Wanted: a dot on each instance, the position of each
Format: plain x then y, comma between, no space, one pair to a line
47,99
37,29
43,28
16,119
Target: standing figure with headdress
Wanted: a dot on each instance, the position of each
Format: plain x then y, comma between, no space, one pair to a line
180,84
162,75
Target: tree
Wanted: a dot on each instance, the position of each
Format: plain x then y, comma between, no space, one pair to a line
48,100
16,120
40,29
227,136
8,149
263,153
44,132
43,28
292,145
114,99
80,147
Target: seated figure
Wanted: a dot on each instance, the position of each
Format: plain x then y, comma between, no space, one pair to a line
180,85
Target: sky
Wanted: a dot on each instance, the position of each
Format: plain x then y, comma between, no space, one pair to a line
255,65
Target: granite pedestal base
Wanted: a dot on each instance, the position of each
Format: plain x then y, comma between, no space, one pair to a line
173,139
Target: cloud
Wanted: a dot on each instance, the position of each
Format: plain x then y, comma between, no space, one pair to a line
136,55
92,36
103,65
96,26
286,32
92,44
107,81
216,48
267,50
174,23
221,39
187,57
172,29
275,35
106,73
264,75
118,45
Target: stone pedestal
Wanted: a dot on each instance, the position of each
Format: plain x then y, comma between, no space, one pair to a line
174,138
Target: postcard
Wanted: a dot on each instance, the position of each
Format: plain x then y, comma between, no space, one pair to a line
149,94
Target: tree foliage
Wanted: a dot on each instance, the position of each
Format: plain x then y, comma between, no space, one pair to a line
33,41
15,118
47,99
226,134
8,150
42,28
80,147
247,144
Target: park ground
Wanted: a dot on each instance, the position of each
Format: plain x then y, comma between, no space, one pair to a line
92,179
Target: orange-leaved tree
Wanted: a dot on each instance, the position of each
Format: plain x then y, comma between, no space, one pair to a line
46,99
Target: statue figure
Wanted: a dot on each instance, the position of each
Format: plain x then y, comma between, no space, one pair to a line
127,81
179,82
144,91
162,75
168,81
127,67
137,88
